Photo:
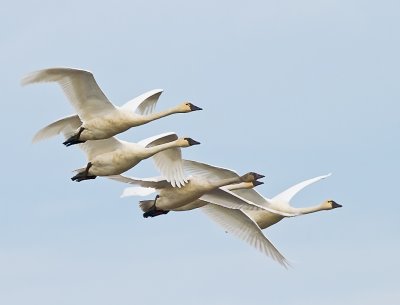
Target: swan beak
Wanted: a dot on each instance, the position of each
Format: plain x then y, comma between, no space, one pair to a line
335,205
256,183
192,142
258,176
194,107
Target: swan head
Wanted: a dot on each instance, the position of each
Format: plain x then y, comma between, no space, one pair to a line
251,177
186,142
331,204
188,107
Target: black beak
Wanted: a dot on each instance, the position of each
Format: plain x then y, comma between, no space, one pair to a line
256,183
335,205
258,176
195,108
192,142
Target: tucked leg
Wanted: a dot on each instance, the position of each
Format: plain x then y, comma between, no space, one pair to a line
84,175
153,211
74,139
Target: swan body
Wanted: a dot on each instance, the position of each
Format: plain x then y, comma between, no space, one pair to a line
281,202
174,199
98,117
211,191
113,157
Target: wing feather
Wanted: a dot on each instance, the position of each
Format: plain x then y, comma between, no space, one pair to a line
230,200
208,172
288,194
79,86
239,224
169,161
137,191
153,182
145,103
65,126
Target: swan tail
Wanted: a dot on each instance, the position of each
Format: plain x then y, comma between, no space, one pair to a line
66,126
146,205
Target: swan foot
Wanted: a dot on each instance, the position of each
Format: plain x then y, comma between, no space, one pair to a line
153,211
84,175
75,138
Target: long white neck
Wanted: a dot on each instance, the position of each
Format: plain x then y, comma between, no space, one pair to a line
239,186
161,114
227,181
311,209
151,151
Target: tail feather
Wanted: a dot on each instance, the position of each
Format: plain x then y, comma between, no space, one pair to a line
146,205
66,125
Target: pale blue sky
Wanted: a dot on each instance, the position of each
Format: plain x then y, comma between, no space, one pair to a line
291,89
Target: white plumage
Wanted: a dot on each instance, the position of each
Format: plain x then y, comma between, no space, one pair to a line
98,118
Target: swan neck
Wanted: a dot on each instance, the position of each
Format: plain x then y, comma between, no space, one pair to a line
311,209
151,151
227,181
158,115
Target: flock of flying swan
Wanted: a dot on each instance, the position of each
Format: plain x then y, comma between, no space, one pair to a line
225,196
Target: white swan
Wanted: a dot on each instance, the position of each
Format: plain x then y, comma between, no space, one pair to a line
247,224
206,188
98,117
212,193
281,203
113,157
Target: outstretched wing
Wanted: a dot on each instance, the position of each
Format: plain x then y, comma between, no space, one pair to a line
169,161
288,194
145,103
79,86
239,224
66,126
207,172
230,200
251,195
153,182
137,191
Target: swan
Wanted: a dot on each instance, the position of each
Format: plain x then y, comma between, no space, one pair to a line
98,117
113,157
208,188
213,194
244,223
279,203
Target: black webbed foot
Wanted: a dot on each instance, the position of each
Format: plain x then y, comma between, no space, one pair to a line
72,141
75,138
84,175
153,211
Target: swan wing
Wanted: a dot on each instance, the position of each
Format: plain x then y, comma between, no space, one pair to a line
251,195
153,182
94,148
169,161
145,103
206,171
288,194
230,200
137,191
65,125
239,224
79,86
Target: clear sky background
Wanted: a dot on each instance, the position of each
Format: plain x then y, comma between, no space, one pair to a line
290,89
